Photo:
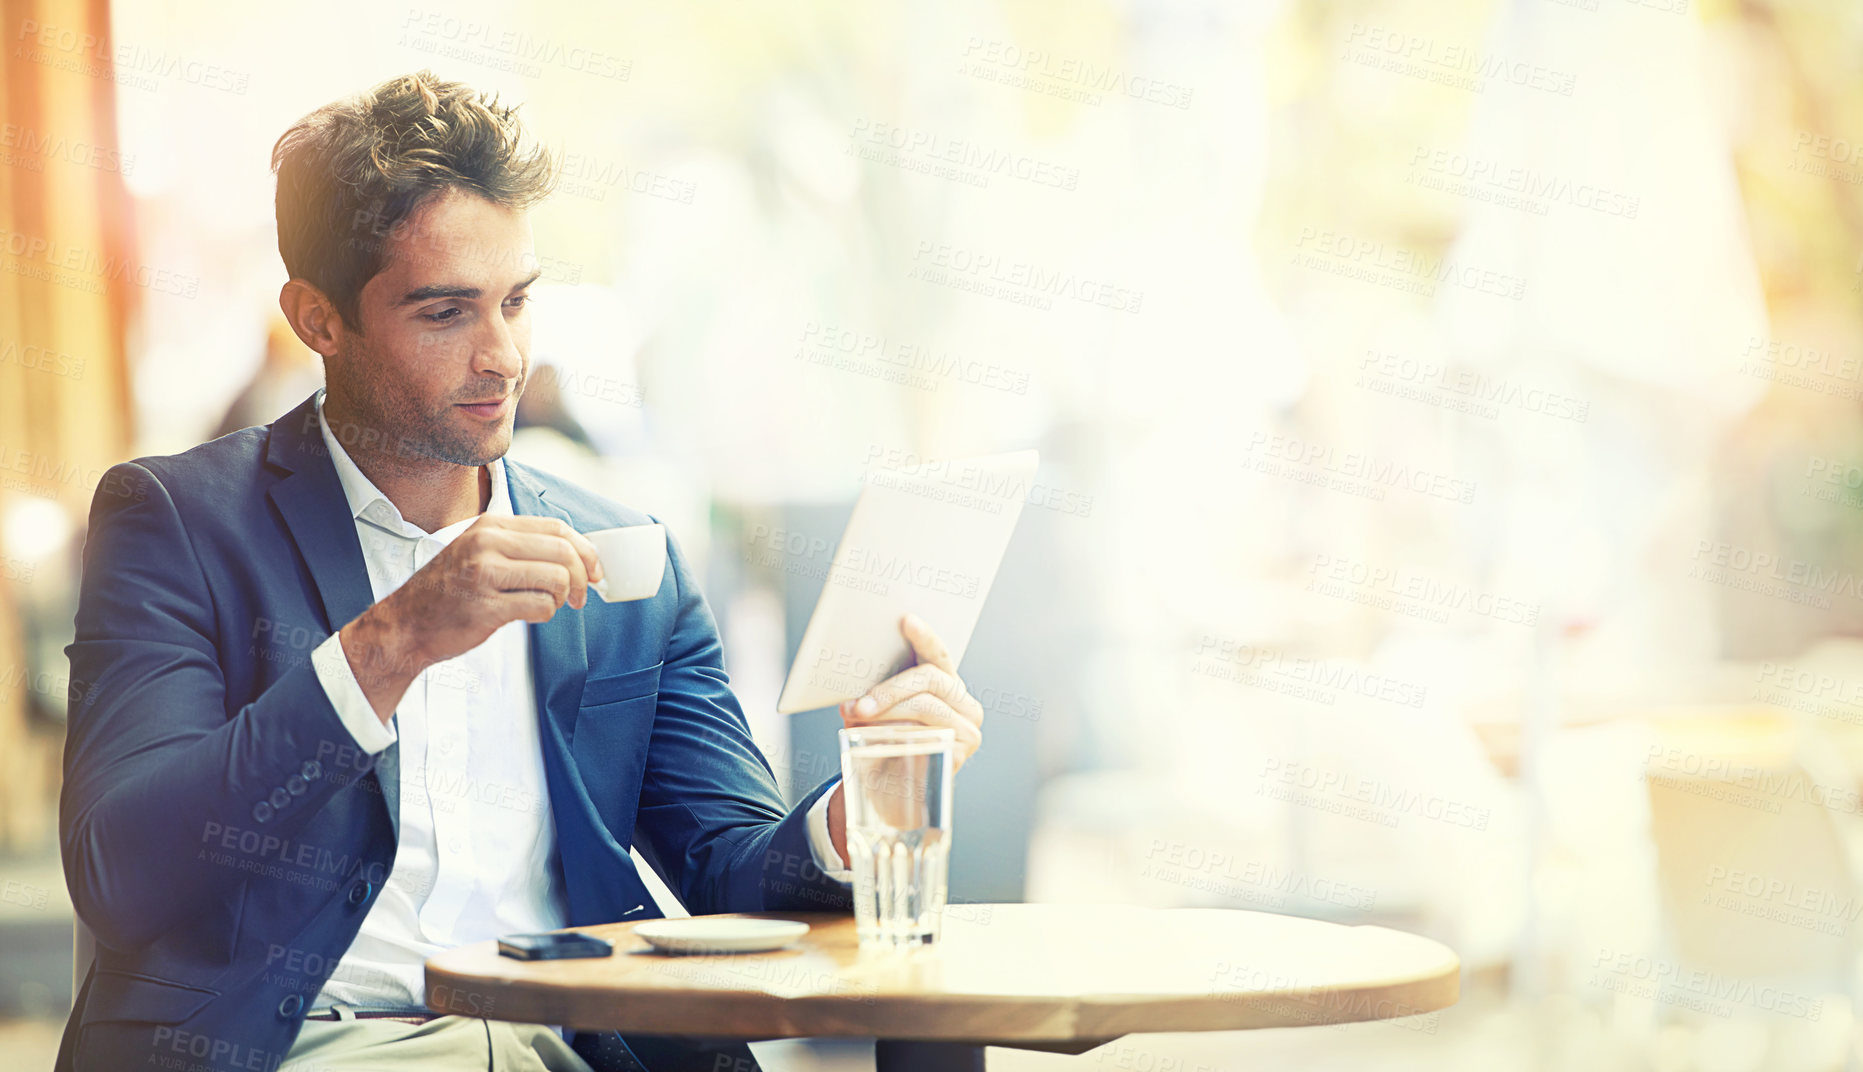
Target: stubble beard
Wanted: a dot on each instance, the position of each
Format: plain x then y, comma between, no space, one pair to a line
410,432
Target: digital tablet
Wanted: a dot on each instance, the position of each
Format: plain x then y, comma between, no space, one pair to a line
925,538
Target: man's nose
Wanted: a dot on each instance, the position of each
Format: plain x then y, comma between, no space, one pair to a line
497,352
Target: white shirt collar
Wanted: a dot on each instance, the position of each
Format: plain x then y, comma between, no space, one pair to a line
366,501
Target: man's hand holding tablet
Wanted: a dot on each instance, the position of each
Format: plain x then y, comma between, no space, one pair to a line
921,545
927,694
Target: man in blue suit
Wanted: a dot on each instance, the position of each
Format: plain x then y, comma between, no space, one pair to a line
340,699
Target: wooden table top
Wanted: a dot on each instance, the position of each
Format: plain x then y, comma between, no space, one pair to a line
1064,977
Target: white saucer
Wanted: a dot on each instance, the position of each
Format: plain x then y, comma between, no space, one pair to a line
703,935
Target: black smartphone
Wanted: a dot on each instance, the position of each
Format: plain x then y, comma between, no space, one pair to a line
553,946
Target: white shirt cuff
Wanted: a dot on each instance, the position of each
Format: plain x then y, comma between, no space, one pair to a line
346,695
821,844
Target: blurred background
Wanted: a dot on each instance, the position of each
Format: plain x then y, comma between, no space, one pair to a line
1451,418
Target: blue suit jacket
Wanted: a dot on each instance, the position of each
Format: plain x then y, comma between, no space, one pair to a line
223,836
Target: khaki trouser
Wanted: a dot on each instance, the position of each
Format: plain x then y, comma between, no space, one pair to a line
445,1044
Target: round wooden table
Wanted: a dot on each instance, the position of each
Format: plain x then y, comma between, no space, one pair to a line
1064,978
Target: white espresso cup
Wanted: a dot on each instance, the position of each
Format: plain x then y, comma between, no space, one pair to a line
633,561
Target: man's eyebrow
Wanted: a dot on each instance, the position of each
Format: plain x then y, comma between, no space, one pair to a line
437,290
449,290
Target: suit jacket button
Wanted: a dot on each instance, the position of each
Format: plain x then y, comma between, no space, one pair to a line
311,770
280,798
290,1006
262,812
360,892
295,785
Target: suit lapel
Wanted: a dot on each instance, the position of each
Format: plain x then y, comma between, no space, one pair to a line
310,499
312,502
559,649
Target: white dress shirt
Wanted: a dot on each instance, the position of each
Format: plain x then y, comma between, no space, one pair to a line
477,855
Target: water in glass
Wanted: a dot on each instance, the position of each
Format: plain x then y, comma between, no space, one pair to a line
898,793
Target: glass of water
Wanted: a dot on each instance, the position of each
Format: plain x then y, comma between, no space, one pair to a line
897,784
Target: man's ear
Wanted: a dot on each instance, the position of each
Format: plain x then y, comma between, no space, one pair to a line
312,316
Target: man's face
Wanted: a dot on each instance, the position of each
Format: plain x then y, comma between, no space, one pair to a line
444,350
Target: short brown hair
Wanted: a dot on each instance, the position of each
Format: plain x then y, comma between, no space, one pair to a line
350,171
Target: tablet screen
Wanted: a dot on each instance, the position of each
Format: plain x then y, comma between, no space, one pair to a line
924,539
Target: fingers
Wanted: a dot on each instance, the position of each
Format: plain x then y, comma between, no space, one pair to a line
585,550
551,547
508,576
552,526
925,709
502,569
922,695
924,678
529,606
927,645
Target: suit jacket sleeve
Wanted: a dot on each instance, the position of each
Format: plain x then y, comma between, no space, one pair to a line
711,817
171,800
